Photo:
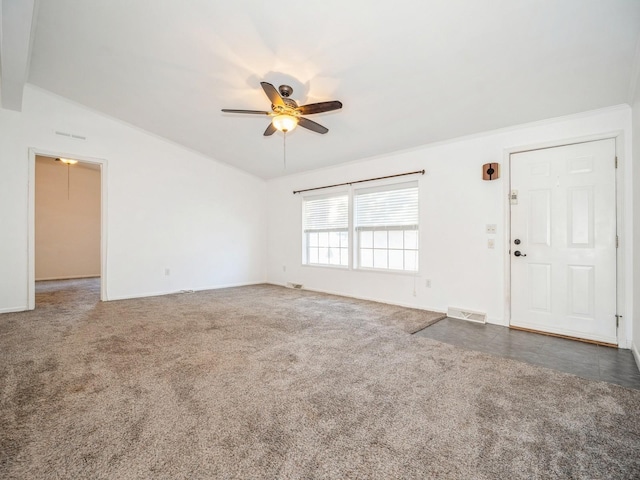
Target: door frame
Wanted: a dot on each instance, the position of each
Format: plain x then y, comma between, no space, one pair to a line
31,224
622,252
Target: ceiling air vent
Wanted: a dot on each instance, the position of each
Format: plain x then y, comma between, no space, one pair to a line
478,317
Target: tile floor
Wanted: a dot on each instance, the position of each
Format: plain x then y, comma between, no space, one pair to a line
582,359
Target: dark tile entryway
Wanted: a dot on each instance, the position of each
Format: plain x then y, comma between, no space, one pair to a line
582,359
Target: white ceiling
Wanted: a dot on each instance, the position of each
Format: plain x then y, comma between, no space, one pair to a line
408,72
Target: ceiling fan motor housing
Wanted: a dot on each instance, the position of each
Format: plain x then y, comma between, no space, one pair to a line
285,90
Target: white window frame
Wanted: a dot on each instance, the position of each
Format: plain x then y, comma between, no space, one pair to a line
376,251
353,232
344,245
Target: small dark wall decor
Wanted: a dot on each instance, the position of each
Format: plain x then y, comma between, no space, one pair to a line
491,171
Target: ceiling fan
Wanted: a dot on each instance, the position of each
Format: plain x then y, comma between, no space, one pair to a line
285,112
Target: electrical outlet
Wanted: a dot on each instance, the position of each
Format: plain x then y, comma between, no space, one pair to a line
167,272
491,228
427,283
491,243
284,268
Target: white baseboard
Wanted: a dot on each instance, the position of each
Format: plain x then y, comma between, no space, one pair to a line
174,292
72,277
636,354
369,299
14,309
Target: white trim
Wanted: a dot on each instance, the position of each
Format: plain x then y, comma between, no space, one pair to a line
623,339
72,277
13,309
31,269
368,299
185,291
506,172
636,354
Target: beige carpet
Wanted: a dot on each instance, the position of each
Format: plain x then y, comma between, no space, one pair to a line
267,382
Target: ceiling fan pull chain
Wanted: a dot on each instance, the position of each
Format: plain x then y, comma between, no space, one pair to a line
284,145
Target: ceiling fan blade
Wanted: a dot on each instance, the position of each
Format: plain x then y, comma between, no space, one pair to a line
258,112
270,130
273,94
320,107
311,125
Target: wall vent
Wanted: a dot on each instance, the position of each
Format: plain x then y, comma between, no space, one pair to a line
70,135
462,314
297,286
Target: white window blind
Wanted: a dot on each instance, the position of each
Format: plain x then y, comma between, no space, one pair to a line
326,213
386,223
387,207
326,230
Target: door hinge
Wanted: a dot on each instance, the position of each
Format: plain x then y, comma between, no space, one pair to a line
618,317
617,241
616,162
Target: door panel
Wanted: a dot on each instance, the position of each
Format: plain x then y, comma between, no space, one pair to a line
564,281
540,291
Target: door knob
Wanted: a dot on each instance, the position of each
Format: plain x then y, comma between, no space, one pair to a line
517,253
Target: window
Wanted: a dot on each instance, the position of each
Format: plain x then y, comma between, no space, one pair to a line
326,230
386,225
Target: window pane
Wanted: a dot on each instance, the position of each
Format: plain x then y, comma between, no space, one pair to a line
313,239
395,259
410,260
334,239
380,239
411,239
395,239
366,258
344,257
380,258
323,239
344,239
313,255
334,256
366,239
323,256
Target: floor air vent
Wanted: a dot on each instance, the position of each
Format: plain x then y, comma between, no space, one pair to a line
478,317
297,286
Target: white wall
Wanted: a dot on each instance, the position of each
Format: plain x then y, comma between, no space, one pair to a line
455,207
167,207
67,220
636,226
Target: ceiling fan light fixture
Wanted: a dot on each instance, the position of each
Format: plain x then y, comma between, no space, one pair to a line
67,161
285,123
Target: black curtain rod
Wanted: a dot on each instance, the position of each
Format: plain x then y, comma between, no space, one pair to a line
421,172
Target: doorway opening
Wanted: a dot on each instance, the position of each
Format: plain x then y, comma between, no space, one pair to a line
67,235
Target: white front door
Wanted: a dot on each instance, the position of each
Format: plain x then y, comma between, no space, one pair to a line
563,240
